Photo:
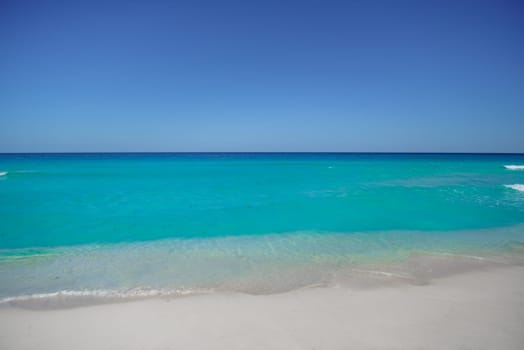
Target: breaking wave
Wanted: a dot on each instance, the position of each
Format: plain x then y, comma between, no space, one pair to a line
514,167
517,187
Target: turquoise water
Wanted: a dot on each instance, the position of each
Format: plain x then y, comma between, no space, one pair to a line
116,222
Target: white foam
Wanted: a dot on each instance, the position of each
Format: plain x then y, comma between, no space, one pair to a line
518,187
468,257
514,167
384,273
3,173
133,293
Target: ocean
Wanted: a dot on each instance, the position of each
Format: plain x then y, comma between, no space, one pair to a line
90,227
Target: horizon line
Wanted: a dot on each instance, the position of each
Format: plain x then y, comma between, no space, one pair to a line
261,152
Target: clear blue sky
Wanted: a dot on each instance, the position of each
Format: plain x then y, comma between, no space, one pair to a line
262,76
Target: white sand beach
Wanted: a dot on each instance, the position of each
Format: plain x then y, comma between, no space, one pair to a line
474,310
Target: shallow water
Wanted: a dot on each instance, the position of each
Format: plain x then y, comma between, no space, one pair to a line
132,225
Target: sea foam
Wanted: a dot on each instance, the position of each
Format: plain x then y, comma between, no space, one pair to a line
518,187
72,298
514,167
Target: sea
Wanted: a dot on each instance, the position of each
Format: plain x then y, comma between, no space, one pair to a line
84,228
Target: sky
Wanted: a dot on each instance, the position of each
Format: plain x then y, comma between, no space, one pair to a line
255,76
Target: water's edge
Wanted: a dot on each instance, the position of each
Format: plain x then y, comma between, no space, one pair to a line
255,265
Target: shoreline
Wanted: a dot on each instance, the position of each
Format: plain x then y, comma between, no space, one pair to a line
418,268
482,309
67,277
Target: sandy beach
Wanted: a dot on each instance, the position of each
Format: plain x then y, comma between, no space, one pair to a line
474,310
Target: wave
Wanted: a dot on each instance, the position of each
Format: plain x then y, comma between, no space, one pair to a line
518,187
514,167
72,298
18,172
